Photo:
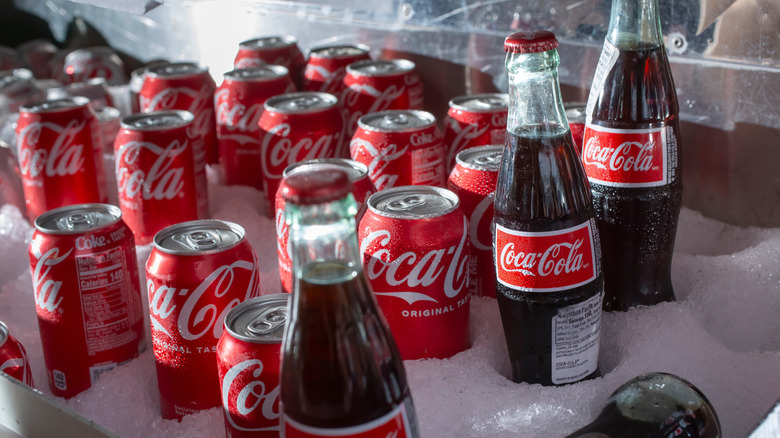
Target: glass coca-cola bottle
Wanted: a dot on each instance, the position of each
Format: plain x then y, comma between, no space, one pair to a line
341,371
546,246
631,154
654,405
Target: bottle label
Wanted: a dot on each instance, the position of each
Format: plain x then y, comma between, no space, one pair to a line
576,331
546,261
607,60
627,157
395,424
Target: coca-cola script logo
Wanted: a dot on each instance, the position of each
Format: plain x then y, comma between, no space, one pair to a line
411,270
163,181
379,162
279,149
58,156
199,102
382,100
46,290
237,116
625,158
254,394
465,135
480,222
546,261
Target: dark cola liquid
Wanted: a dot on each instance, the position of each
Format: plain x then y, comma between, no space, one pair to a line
341,358
638,225
542,187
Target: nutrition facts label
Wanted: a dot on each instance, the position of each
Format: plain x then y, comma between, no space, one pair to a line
575,340
105,300
428,166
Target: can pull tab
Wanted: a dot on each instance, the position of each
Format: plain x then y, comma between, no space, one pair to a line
407,203
77,221
269,321
490,102
394,120
202,240
493,160
304,103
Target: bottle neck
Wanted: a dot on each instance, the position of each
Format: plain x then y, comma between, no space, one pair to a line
635,24
535,102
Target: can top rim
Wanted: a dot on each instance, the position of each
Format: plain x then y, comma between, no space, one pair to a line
313,52
430,119
404,66
277,70
217,224
190,69
272,303
44,106
462,157
185,117
113,210
330,100
379,196
285,40
459,102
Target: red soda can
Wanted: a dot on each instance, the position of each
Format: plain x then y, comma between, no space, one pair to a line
60,154
189,87
196,273
474,120
94,62
415,250
249,356
13,357
109,120
16,89
296,127
575,113
273,50
136,82
157,181
474,181
400,147
239,105
327,66
362,189
373,86
87,295
37,54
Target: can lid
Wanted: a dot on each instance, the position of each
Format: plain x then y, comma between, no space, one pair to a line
354,169
262,72
206,236
530,42
259,320
157,120
487,158
397,120
77,219
10,77
316,187
338,51
479,103
176,69
413,202
107,114
371,68
301,102
575,111
55,105
3,333
268,42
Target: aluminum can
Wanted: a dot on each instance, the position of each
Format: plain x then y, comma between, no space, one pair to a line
196,273
109,121
239,105
274,50
94,62
474,181
415,250
400,147
13,358
95,89
373,86
327,66
17,88
362,189
576,115
157,181
60,154
189,87
11,191
296,127
249,356
136,82
9,59
474,120
37,54
87,294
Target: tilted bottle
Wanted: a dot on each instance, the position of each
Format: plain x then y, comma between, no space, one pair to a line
631,152
341,371
546,246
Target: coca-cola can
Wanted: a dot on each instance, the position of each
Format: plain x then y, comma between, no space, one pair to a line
273,50
189,87
95,89
87,294
373,86
362,189
196,273
400,147
249,356
575,113
296,127
474,120
13,357
37,54
327,66
60,154
94,62
414,243
17,88
136,82
239,105
11,191
157,180
474,181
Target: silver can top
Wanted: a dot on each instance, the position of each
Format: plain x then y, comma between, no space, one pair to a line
77,219
269,42
9,78
300,103
397,120
413,202
107,114
55,105
369,68
486,158
338,51
259,320
176,69
353,169
157,120
259,73
199,237
575,112
4,335
481,103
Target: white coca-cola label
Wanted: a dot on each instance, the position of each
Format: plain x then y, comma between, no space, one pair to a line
380,164
394,424
382,101
279,150
163,181
546,261
236,116
46,290
198,102
248,398
479,224
625,157
465,133
62,157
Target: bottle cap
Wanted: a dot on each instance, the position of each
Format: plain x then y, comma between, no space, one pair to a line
530,42
316,187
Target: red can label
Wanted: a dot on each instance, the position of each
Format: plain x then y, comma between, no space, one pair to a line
546,261
252,404
626,157
14,362
395,424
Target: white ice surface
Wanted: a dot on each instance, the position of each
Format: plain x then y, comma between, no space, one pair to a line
723,334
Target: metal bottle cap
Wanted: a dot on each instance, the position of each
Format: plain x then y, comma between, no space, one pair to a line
476,103
259,320
176,69
413,202
76,219
338,51
353,169
396,120
157,120
487,158
299,103
257,73
55,104
269,42
392,67
199,237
